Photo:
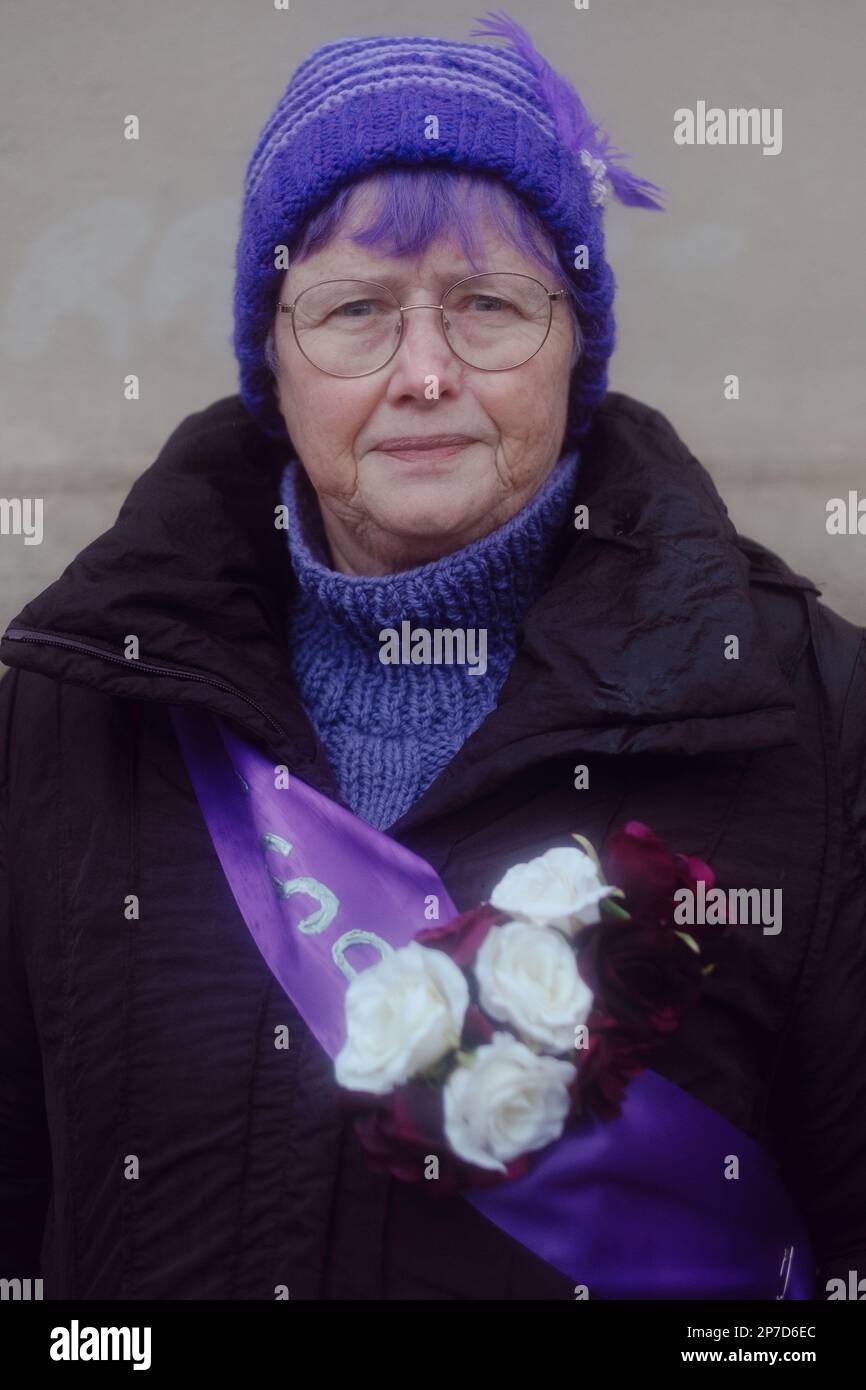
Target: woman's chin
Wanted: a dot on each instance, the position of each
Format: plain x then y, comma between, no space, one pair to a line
432,512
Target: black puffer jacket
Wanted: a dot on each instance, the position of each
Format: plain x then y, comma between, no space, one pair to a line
155,1038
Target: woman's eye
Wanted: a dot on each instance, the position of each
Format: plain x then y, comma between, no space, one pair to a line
358,308
485,305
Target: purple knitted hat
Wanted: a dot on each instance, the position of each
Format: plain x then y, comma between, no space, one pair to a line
359,105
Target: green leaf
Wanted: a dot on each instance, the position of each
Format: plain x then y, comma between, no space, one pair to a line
588,849
689,940
614,910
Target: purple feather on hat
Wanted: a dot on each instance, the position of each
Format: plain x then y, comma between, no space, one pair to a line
574,125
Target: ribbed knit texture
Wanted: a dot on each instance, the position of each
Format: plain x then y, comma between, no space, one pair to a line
389,730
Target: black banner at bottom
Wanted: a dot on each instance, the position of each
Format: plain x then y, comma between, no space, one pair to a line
162,1339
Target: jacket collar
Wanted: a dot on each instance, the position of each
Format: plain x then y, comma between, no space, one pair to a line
624,653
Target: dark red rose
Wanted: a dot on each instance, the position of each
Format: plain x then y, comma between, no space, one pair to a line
644,978
401,1129
461,938
649,874
606,1067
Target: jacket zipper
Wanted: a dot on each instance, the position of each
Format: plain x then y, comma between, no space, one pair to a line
24,634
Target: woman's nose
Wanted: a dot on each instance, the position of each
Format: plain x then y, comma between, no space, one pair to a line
423,345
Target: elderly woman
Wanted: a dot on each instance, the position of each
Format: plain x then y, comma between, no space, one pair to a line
418,606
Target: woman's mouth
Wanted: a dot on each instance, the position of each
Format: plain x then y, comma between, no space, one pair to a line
420,448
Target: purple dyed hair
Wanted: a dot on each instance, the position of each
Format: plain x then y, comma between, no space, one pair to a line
413,207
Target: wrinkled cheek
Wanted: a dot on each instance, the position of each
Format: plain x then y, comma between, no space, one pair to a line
323,432
532,418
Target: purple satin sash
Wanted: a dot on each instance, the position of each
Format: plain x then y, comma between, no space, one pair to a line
637,1207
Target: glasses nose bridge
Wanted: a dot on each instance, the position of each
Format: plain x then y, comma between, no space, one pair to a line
404,307
440,308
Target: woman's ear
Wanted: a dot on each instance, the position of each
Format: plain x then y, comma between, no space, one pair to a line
272,361
271,355
578,342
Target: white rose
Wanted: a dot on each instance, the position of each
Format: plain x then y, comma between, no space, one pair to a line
508,1101
561,888
527,976
402,1015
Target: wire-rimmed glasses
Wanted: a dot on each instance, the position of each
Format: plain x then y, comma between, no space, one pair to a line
495,322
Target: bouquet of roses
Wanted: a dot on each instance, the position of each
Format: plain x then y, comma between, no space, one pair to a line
478,1043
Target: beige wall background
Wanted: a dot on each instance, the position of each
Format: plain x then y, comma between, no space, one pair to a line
117,256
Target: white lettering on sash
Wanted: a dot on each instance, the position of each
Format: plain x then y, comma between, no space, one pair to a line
329,905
